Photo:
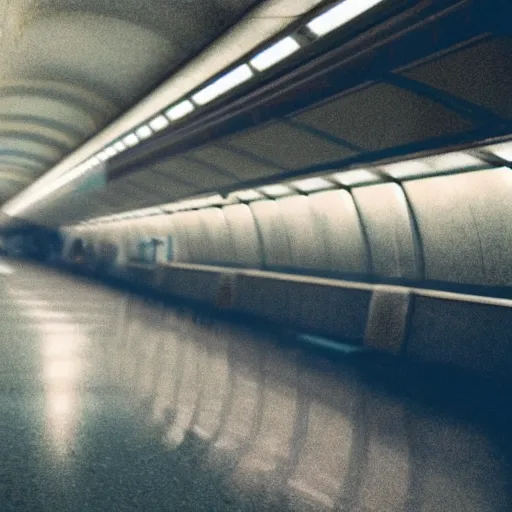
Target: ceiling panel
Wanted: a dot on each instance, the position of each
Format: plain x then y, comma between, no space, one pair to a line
289,146
32,147
163,185
239,163
70,67
198,175
480,74
383,116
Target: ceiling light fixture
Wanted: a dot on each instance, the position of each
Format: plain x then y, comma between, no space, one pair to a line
312,184
159,123
408,168
223,84
180,110
454,161
275,53
247,195
131,140
111,151
119,146
94,161
144,132
356,177
276,190
340,15
102,155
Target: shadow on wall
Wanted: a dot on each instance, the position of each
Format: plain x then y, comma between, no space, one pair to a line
251,417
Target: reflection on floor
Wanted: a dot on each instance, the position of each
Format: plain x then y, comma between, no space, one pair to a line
112,402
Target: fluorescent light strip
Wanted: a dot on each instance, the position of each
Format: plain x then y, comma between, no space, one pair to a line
144,132
275,190
407,169
447,162
275,53
102,156
356,177
215,89
131,140
223,84
159,123
111,151
119,146
180,110
246,195
433,164
454,161
313,184
340,15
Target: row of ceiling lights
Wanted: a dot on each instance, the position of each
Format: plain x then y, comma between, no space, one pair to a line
409,169
322,24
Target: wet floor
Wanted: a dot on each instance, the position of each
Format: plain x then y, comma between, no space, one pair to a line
112,402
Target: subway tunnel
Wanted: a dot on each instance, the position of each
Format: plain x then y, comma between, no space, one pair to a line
255,255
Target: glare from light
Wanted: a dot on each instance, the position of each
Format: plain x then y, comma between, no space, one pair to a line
503,150
131,140
102,155
65,369
246,195
340,15
453,162
312,184
407,169
275,53
58,343
180,110
223,84
356,177
159,123
119,146
68,177
432,164
6,269
111,151
275,190
61,404
94,161
144,132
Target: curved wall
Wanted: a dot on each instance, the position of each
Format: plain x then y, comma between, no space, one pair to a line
453,229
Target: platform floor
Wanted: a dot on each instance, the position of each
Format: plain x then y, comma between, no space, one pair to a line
109,402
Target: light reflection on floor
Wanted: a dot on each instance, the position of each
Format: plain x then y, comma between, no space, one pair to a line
60,340
5,269
225,418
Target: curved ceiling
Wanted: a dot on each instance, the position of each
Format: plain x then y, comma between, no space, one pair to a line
69,67
401,83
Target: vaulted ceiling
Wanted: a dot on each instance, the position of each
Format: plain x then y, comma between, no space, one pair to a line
69,67
413,77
